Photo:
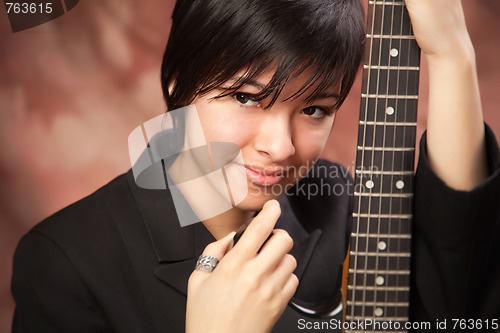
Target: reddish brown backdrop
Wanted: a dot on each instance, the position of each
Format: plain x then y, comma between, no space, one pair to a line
73,89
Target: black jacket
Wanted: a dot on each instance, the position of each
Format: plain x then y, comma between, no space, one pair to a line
118,260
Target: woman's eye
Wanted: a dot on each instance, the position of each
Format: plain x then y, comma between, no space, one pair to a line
315,112
245,99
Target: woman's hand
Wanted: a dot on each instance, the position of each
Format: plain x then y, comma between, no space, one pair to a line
440,29
248,290
455,128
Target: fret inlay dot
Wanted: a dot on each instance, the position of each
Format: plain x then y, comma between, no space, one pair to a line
370,184
389,110
378,312
400,184
382,246
380,280
394,53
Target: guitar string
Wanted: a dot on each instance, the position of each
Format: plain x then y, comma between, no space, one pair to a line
402,157
389,177
391,247
373,154
400,221
398,245
361,164
411,141
369,78
404,110
378,222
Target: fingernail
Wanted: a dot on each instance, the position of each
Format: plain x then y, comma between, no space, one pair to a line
274,202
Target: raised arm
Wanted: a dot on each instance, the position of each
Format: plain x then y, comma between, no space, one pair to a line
455,129
455,234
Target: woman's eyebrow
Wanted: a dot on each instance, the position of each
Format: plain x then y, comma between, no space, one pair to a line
326,94
250,82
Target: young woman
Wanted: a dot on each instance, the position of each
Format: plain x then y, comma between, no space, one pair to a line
268,76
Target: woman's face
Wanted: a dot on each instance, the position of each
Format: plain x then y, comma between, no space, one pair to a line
278,144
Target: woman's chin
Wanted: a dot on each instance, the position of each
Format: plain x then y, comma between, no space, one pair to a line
258,196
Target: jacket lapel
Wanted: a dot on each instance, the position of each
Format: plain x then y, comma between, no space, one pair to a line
177,248
176,274
304,243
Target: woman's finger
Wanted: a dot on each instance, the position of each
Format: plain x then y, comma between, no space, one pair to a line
290,287
283,271
219,248
258,231
272,253
216,249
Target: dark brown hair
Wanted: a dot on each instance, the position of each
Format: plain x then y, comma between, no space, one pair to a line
212,40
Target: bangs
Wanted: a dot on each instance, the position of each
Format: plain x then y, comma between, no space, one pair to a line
211,42
322,78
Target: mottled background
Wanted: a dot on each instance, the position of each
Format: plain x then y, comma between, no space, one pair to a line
73,89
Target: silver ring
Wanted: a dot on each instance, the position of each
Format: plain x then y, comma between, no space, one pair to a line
206,263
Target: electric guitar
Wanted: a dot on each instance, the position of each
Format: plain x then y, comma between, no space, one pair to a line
379,264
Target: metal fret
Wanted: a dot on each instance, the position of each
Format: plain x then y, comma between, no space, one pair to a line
386,148
389,173
349,287
383,195
397,236
363,303
384,216
389,96
391,36
381,254
397,68
363,122
377,271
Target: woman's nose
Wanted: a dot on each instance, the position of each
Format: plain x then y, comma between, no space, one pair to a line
275,138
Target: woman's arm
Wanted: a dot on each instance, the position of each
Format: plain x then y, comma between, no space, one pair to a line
455,236
455,129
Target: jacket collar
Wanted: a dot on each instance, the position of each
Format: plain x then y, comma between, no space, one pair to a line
177,248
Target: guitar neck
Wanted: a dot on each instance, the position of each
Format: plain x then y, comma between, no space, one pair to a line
379,265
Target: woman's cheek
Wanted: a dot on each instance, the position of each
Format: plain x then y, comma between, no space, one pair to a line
221,122
310,143
227,131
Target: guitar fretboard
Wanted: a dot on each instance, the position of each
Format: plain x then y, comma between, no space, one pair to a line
379,270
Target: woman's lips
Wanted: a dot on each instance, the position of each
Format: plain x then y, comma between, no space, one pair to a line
263,177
